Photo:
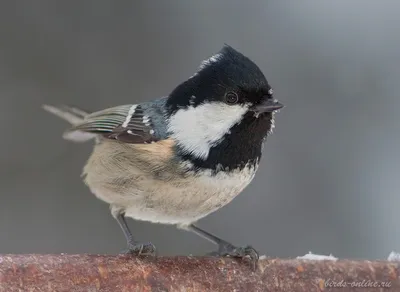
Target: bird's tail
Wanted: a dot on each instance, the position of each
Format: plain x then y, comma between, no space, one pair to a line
74,116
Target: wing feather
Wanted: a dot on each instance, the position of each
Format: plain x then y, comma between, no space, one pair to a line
127,123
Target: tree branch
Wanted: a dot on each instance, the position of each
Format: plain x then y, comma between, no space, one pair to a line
127,273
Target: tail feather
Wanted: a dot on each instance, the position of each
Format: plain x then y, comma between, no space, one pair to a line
74,116
70,114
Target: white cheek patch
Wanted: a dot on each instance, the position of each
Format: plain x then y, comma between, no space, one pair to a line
197,129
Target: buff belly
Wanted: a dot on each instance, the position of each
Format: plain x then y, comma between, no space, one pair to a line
137,182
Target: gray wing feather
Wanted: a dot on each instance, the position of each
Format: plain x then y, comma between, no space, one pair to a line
141,123
104,120
126,123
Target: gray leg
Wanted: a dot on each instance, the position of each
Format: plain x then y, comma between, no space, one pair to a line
225,248
134,247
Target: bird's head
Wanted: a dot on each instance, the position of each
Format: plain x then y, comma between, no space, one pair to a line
228,98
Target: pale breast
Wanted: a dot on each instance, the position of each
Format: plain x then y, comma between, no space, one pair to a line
187,200
146,189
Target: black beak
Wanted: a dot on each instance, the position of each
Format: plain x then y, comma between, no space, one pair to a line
267,106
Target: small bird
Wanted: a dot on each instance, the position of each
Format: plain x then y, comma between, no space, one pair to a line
178,158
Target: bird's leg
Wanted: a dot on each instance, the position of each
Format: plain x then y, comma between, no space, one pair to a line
225,248
134,247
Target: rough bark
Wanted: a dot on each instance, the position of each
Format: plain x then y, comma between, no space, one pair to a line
127,273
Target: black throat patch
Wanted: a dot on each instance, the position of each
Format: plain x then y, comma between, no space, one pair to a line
238,149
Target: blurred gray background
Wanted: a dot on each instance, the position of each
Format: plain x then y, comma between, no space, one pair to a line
329,181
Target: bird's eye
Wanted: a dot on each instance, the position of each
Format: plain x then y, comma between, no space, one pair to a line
231,97
270,92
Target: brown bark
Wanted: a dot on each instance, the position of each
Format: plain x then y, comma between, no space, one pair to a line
127,273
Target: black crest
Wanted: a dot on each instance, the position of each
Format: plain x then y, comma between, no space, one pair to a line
226,71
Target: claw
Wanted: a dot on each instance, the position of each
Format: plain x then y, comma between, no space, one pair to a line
228,250
140,249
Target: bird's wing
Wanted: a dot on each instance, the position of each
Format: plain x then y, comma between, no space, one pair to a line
126,123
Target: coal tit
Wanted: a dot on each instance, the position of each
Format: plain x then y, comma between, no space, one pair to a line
178,158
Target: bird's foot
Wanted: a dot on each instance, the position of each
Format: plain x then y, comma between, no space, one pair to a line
226,249
140,249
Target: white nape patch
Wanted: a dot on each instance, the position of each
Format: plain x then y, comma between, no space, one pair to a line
129,116
151,132
197,129
394,257
209,61
317,257
213,59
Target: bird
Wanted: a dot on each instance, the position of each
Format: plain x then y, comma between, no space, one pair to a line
182,156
